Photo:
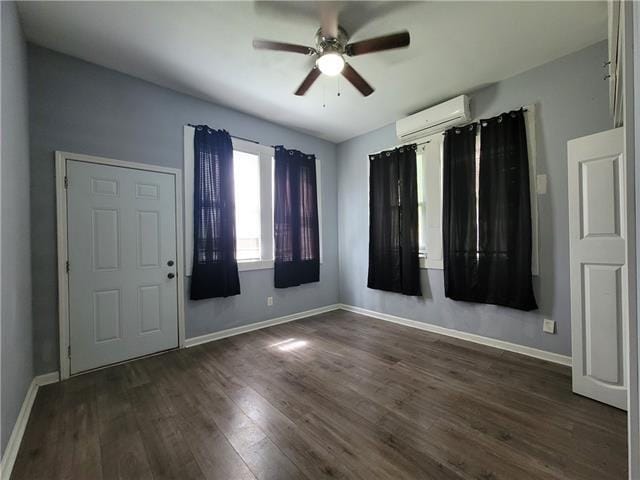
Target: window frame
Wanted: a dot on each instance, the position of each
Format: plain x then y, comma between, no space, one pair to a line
431,259
267,156
266,198
436,261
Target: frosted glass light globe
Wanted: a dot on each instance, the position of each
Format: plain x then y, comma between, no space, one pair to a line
330,64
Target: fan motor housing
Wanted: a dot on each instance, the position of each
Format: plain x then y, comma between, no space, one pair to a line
326,44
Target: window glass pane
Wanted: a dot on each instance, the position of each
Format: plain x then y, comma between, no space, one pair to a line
420,173
246,171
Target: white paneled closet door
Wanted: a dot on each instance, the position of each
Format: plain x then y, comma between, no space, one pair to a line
598,266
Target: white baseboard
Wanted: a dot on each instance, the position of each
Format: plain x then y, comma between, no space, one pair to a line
230,332
47,378
13,445
470,337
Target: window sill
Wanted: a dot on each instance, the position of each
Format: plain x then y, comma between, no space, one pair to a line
247,265
431,264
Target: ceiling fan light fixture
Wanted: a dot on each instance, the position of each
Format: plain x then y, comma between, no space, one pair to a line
330,63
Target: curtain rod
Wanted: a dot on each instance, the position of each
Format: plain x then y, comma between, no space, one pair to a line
232,136
524,108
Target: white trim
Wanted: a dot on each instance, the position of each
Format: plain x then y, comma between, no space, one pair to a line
248,265
61,225
470,337
319,203
47,378
427,263
266,155
230,332
530,125
187,168
13,445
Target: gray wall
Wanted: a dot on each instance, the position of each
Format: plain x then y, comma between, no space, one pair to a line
17,345
572,101
83,108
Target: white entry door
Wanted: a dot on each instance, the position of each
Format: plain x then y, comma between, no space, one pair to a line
123,295
598,263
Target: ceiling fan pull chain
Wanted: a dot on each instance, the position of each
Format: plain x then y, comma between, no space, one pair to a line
324,94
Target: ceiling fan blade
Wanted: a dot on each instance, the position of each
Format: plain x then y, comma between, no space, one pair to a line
378,44
282,47
308,81
356,80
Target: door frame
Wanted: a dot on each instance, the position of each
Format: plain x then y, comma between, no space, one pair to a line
61,159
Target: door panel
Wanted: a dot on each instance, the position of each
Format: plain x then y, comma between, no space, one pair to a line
598,264
600,197
105,237
602,323
148,239
106,315
149,308
121,236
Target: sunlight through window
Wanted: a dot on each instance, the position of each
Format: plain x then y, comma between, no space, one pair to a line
247,190
290,344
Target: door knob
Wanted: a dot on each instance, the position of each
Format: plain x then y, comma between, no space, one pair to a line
170,275
170,263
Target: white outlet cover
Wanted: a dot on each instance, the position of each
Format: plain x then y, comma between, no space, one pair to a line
549,326
269,301
541,184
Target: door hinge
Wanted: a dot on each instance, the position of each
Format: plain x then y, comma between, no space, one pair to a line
67,266
69,351
66,182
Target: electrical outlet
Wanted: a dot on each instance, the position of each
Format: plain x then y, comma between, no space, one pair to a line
549,326
269,301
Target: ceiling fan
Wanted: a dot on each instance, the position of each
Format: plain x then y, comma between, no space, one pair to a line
331,47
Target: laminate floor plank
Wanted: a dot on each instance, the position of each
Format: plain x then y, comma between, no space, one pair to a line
335,396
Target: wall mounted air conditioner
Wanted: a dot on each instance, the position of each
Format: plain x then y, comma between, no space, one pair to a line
435,119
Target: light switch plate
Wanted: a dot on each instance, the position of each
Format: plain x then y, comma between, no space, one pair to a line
269,301
541,184
549,326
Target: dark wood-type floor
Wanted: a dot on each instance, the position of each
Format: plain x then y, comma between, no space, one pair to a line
338,395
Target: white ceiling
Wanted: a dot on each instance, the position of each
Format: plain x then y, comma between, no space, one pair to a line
204,49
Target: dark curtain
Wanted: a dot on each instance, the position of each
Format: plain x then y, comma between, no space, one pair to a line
215,270
487,245
505,212
459,232
297,241
393,222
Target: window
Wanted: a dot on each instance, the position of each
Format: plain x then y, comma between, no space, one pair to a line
253,183
429,171
246,174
